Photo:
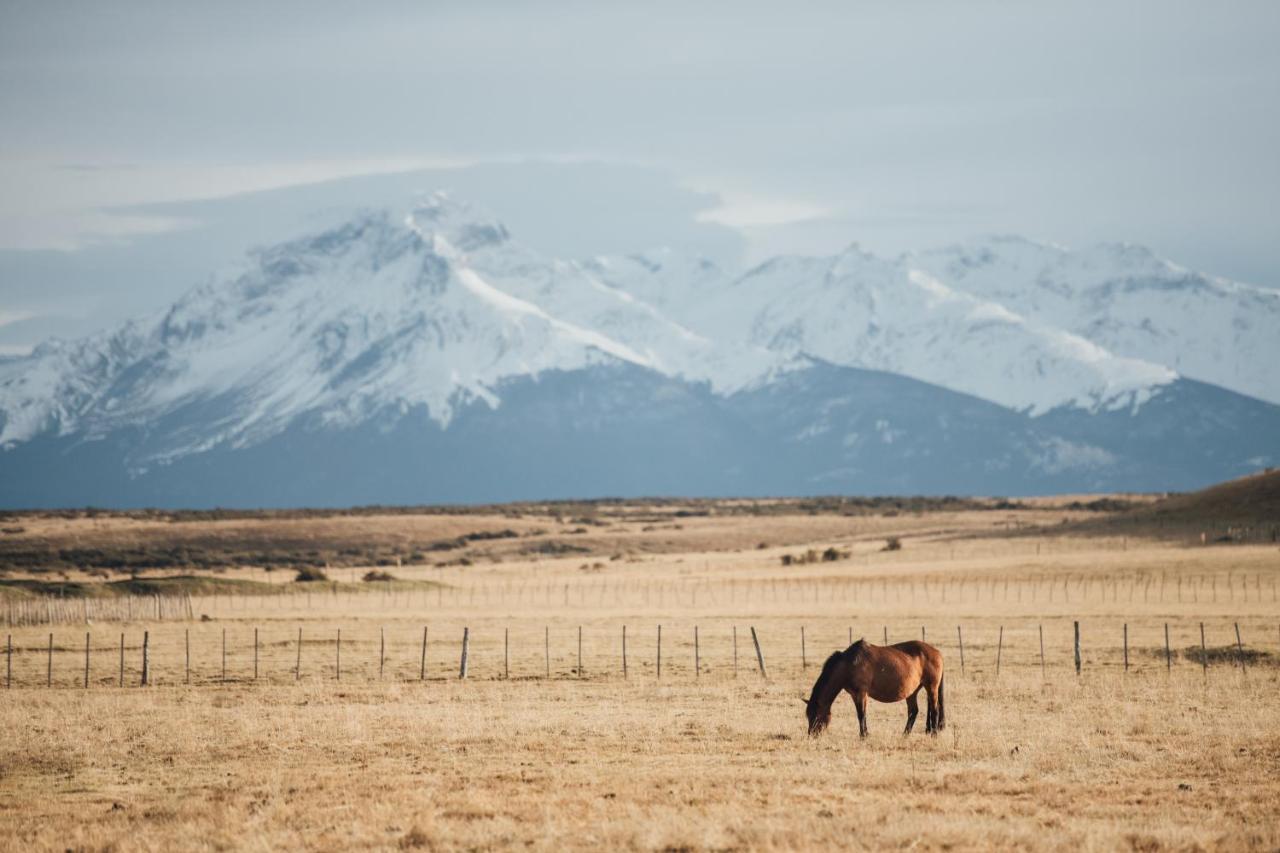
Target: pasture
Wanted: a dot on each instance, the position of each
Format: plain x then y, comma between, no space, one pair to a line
356,738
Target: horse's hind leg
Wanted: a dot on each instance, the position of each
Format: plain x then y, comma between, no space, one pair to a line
913,708
931,710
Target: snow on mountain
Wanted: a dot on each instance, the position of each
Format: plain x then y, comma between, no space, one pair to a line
1133,303
439,307
381,313
662,277
580,293
859,310
426,355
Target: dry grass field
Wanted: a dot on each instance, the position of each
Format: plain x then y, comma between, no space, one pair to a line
356,743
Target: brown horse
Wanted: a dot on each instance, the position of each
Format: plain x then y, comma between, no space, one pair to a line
886,674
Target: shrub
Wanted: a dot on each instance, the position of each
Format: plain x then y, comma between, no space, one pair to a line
308,574
892,544
375,576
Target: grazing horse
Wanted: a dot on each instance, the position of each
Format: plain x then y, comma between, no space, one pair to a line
886,674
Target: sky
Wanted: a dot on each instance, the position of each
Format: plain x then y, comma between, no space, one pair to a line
763,127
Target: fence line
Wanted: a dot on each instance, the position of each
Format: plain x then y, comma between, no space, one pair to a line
1237,654
851,590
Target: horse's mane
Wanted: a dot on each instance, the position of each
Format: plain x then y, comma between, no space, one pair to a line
836,658
828,668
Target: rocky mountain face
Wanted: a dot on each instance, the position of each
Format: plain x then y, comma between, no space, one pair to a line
1124,298
428,356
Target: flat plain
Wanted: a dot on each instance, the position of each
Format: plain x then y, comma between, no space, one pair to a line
360,736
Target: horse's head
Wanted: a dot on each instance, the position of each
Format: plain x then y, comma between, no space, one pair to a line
817,708
819,715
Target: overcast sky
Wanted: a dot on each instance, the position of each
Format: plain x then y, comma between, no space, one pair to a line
807,125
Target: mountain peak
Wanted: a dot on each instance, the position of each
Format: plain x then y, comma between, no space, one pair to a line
464,226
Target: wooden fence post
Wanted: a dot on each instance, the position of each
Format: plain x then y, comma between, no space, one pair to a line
122,660
255,654
382,650
546,647
624,651
759,654
506,653
186,642
1077,645
1204,652
697,655
1126,647
146,657
1239,647
86,660
922,639
337,659
422,666
8,662
466,642
1168,656
735,651
659,651
580,651
999,649
49,670
297,662
224,655
886,635
960,640
804,662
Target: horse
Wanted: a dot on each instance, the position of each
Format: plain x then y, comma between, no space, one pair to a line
886,674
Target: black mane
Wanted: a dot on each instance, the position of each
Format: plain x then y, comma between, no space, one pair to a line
827,668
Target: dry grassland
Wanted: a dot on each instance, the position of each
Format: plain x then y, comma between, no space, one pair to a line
1148,759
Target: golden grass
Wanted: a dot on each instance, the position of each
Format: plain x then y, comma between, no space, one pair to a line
1147,762
1145,759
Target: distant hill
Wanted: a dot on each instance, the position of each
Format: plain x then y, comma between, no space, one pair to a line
1246,509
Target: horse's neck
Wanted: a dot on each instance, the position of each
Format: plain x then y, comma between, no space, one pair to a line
832,686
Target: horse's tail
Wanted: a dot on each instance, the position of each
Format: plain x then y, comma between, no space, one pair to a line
942,704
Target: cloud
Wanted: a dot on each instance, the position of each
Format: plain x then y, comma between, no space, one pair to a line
741,210
8,317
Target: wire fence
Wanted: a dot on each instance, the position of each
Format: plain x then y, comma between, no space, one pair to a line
281,654
1060,593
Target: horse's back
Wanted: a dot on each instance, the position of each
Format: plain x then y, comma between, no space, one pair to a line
928,655
918,648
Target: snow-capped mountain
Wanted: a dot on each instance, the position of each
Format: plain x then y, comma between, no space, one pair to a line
425,355
858,310
433,309
1124,298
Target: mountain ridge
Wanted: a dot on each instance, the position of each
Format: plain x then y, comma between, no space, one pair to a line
437,313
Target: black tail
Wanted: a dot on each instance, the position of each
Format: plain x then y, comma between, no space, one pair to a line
942,705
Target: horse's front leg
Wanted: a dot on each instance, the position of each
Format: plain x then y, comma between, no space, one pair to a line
860,702
913,708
